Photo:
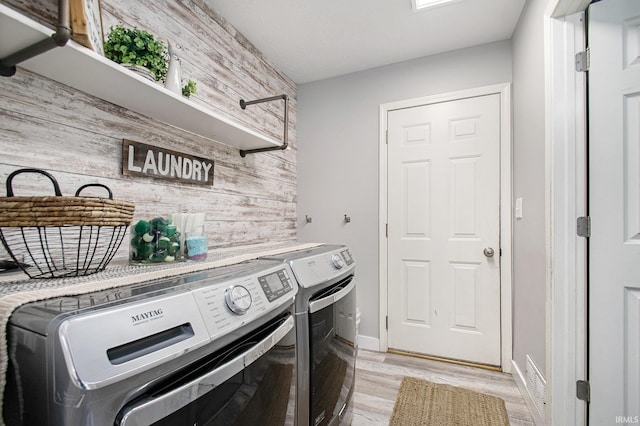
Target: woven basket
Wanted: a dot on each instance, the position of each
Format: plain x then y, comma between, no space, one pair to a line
58,236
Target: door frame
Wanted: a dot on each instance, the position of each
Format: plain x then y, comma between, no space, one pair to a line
565,193
504,90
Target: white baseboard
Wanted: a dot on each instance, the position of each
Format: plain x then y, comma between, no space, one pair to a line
369,343
522,387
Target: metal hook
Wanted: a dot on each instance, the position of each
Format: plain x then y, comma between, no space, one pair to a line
347,219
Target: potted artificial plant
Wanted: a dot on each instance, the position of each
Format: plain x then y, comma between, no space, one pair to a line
133,47
188,88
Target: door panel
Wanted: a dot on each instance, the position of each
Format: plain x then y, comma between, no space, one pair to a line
416,289
614,207
416,198
443,210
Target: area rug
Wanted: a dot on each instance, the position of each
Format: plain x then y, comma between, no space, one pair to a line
422,403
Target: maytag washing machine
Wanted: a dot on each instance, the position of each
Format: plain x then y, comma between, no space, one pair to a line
215,347
325,333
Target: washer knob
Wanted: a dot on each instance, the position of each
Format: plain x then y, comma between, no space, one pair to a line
238,299
337,261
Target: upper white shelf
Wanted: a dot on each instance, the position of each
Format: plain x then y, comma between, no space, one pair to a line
83,69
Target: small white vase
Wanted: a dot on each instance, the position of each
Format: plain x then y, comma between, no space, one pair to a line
174,77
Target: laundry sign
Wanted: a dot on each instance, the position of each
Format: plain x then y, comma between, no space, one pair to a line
139,159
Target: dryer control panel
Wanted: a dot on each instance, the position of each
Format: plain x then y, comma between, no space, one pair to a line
276,284
319,265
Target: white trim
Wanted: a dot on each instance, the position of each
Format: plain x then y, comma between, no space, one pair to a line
369,343
521,383
562,8
565,189
504,90
382,230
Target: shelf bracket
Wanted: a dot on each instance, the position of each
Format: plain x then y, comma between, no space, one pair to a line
285,98
59,38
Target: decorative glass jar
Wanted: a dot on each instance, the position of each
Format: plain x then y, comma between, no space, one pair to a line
154,241
195,244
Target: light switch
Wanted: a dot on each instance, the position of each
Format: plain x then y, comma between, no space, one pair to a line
518,209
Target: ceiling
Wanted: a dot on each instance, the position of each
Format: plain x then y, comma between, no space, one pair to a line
313,40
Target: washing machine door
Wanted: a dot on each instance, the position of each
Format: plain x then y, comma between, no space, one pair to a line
246,383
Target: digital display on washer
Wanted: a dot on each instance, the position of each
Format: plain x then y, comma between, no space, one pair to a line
346,255
275,284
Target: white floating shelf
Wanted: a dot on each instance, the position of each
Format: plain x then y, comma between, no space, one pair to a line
83,69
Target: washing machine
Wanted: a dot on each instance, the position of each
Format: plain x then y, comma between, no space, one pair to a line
215,347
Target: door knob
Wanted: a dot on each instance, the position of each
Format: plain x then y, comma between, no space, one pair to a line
488,252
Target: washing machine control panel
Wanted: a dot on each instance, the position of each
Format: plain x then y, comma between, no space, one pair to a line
239,301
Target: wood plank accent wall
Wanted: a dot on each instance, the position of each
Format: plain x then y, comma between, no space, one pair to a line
78,138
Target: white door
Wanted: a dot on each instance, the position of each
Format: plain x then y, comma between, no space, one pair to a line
614,207
443,212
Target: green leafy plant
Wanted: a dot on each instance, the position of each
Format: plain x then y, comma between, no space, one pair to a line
189,88
137,47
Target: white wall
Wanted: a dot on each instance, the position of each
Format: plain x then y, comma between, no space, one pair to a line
337,129
529,250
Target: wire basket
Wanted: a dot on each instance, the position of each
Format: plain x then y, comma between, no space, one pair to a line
57,236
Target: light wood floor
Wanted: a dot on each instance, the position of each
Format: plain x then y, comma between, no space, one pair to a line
378,377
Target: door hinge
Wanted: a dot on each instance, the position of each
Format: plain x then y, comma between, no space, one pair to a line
583,61
386,321
583,390
386,230
387,138
584,226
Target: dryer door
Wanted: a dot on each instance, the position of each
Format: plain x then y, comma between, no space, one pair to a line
332,330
